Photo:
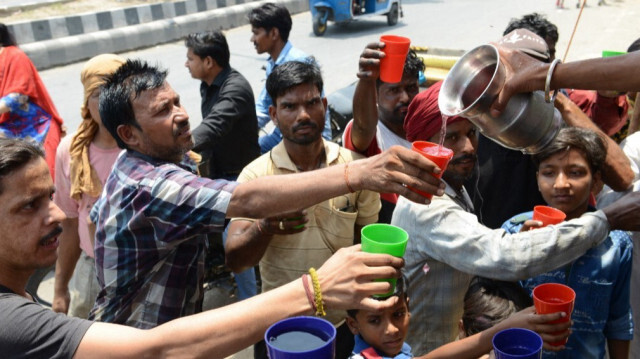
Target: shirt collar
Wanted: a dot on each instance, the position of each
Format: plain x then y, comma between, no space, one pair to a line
219,80
186,163
281,159
283,54
462,197
361,345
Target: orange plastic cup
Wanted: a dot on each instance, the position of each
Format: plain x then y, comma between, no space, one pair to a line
548,215
552,298
439,156
395,50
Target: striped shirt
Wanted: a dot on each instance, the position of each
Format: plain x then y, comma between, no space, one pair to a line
151,225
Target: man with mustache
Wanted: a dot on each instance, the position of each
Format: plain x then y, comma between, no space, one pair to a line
448,245
379,109
270,27
286,245
30,224
155,212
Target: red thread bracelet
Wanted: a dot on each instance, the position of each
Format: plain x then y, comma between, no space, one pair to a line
305,284
346,177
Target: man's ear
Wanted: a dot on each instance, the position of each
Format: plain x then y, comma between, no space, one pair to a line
461,333
129,135
209,62
274,33
353,325
273,115
596,183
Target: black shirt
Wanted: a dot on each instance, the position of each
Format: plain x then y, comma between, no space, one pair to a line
506,184
228,134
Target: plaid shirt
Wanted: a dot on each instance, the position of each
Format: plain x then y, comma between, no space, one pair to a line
152,220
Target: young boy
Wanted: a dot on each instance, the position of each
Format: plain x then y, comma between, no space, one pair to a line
380,335
568,171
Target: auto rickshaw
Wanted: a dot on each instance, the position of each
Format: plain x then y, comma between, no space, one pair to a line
342,11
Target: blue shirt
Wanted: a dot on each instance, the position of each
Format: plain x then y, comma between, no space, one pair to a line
288,53
363,350
600,279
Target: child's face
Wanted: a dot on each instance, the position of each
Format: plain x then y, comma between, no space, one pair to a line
565,181
385,330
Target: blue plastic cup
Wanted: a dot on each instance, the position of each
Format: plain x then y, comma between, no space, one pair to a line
301,337
517,343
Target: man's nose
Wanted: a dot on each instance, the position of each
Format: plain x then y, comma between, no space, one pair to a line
56,215
561,181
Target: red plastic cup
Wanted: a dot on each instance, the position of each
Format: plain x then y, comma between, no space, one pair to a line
552,298
548,215
392,65
438,155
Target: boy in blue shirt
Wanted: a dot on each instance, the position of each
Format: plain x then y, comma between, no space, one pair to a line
569,169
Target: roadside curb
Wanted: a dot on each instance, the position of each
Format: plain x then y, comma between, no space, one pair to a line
150,31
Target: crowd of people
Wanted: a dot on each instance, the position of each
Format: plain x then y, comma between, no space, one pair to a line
127,206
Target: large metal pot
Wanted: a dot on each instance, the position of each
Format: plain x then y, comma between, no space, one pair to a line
528,122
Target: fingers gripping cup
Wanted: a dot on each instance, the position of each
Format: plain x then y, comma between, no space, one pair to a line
395,51
552,298
517,343
301,337
438,155
548,215
386,239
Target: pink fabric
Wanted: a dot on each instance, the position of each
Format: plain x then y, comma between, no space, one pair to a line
424,119
101,160
608,113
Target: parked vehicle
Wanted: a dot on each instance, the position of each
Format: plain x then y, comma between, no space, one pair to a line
342,11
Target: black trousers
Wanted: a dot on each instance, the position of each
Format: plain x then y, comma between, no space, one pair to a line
344,344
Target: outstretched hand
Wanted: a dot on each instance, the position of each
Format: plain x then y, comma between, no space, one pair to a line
286,223
541,324
522,74
346,279
369,62
396,169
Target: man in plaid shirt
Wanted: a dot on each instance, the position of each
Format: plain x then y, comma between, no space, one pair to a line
154,212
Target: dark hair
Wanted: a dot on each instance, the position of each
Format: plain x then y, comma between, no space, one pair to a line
488,302
209,43
400,292
121,88
536,23
635,46
15,153
6,37
586,141
291,74
412,67
272,15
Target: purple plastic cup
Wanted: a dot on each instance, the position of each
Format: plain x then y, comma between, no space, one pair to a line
517,343
301,337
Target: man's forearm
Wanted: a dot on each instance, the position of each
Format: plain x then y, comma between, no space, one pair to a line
245,245
365,114
616,171
620,73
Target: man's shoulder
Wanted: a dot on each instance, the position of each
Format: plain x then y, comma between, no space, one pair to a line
64,146
257,168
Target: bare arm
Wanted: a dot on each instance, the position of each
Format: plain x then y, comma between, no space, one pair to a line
247,242
479,344
345,281
388,172
618,349
68,254
365,103
616,170
525,74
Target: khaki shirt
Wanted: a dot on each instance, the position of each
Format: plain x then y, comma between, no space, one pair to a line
330,227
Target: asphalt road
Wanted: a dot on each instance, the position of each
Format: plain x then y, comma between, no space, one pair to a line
455,24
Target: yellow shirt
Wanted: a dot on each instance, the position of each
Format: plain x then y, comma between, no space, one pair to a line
330,227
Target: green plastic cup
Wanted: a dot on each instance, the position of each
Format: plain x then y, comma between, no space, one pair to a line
609,53
386,239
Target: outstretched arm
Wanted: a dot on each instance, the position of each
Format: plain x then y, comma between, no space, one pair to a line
365,103
345,281
525,74
390,172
